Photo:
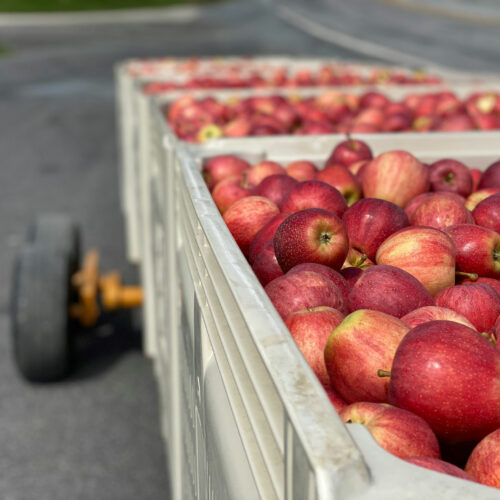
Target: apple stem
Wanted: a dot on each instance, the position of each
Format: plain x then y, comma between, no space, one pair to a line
490,337
361,260
471,276
383,373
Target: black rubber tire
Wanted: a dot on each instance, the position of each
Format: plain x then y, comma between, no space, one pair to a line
40,320
59,232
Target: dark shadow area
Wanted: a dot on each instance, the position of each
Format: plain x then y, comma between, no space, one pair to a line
96,350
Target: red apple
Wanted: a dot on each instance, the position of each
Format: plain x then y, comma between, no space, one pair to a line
476,178
219,167
344,181
370,221
426,253
439,466
479,303
310,328
264,235
491,177
449,375
478,249
475,198
311,235
329,273
456,123
433,313
275,187
246,217
348,152
495,284
314,194
484,462
373,99
301,170
362,343
399,432
390,290
265,266
396,176
451,176
229,190
441,211
260,171
487,213
303,290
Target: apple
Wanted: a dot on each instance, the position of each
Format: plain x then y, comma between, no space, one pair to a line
491,177
258,172
487,213
439,466
370,221
246,217
373,117
396,176
475,198
315,127
478,302
229,190
329,273
399,432
303,290
476,178
373,99
449,375
441,211
397,122
264,235
433,313
390,290
456,123
239,127
362,343
265,266
221,166
451,176
301,170
495,284
426,253
310,328
484,462
344,181
314,194
275,187
425,123
349,151
478,249
311,235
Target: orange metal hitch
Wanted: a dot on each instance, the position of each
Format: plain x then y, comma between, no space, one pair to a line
89,284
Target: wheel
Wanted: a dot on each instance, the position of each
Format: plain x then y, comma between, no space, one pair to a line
40,320
59,232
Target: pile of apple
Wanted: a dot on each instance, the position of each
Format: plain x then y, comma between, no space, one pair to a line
327,75
386,272
198,120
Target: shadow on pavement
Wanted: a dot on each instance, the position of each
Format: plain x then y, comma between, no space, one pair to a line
96,350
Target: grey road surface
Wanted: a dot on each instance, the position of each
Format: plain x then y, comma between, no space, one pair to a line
455,33
95,436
